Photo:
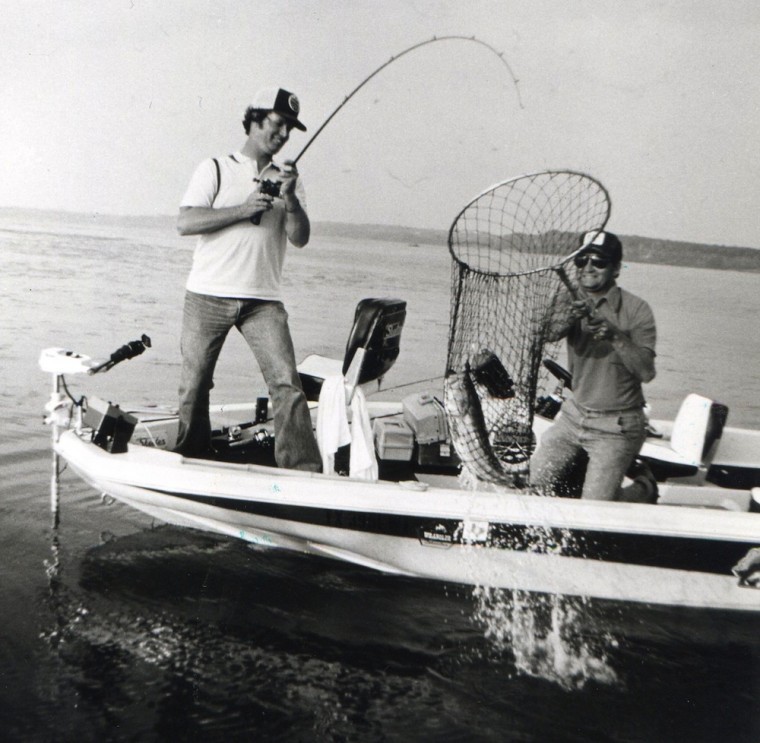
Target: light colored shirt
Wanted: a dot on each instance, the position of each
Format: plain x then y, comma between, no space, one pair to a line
243,260
600,379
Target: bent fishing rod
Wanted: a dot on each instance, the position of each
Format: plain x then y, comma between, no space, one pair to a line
435,39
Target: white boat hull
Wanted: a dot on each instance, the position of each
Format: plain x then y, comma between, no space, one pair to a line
673,555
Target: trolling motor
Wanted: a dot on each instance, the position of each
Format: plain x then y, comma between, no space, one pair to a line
113,429
59,361
127,351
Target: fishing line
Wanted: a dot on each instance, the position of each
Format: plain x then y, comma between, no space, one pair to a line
369,77
435,39
401,386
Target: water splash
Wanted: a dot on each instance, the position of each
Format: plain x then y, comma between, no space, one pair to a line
548,635
551,636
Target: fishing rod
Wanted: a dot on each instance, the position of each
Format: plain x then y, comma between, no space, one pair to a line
435,39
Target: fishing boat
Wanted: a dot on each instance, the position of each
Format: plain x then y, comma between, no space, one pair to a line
434,485
421,516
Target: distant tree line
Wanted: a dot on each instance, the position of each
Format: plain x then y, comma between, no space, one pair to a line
673,252
637,249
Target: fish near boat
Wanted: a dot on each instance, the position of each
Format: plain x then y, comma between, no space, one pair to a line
464,414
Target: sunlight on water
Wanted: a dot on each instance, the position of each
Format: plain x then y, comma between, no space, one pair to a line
547,634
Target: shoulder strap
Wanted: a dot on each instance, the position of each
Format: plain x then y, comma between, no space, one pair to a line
218,181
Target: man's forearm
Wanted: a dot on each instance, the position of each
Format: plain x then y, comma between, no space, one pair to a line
639,361
297,224
200,220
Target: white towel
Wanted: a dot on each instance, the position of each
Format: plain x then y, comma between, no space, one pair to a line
332,421
333,429
363,463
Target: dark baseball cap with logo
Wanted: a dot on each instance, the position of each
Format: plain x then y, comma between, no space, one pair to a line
602,243
282,102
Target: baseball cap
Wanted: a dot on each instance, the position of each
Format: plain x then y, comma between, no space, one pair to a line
603,243
282,102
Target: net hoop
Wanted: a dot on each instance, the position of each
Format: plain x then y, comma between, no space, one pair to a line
564,258
509,300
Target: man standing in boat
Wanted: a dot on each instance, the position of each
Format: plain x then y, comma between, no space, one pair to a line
244,209
611,339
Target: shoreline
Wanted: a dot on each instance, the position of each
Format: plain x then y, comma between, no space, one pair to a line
638,249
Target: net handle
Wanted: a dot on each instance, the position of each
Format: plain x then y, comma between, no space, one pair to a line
574,293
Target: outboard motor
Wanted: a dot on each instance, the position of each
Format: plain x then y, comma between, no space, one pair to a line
377,329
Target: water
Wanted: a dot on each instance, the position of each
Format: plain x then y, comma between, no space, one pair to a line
115,628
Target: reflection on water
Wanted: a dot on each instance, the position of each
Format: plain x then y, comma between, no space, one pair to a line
166,632
190,624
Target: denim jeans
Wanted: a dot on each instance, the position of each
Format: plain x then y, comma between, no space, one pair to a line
612,439
264,325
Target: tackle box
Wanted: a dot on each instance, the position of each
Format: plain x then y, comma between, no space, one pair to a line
425,416
437,454
394,439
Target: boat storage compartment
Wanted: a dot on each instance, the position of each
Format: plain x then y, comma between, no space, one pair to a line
394,440
426,417
111,426
437,454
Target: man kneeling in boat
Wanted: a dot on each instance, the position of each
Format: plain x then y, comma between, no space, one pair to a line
611,338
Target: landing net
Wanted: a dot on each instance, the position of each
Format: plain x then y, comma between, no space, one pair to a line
508,247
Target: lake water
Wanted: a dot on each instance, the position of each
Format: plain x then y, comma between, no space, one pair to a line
114,628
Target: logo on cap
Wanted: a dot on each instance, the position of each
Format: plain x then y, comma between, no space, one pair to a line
593,238
293,103
604,243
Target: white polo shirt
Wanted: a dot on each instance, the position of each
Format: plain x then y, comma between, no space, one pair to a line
243,260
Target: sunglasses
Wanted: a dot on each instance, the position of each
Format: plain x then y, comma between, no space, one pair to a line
581,261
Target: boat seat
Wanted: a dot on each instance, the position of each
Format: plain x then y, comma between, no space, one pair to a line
693,440
372,348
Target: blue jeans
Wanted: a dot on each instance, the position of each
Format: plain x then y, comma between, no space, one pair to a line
264,325
612,439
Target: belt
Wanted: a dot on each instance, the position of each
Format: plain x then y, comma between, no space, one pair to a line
601,413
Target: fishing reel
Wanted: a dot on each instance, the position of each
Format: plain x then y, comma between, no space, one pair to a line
261,438
268,188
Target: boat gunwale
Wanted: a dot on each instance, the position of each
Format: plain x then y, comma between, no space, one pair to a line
496,507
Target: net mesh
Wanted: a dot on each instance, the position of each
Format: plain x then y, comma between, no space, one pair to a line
508,246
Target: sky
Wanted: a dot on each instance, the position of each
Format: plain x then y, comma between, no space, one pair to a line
109,106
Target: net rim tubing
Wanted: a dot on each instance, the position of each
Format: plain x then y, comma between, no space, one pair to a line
535,174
